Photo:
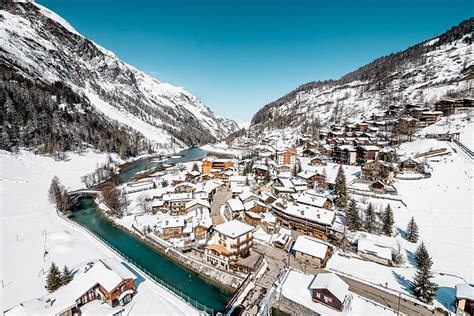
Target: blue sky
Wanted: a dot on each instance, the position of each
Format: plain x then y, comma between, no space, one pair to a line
236,56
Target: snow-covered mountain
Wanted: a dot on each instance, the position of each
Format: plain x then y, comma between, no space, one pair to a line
39,48
434,69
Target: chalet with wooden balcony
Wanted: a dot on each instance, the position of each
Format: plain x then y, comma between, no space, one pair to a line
107,281
227,242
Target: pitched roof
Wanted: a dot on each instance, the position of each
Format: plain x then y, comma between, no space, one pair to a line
370,247
332,283
310,246
234,228
202,202
235,205
253,203
465,291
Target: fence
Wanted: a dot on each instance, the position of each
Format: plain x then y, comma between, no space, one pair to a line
464,148
153,277
375,196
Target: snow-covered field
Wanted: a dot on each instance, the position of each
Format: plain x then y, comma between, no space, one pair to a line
223,148
443,209
459,123
29,226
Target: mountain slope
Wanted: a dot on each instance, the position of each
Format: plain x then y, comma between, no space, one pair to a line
39,48
434,69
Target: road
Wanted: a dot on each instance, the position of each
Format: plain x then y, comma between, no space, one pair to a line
220,197
278,258
407,307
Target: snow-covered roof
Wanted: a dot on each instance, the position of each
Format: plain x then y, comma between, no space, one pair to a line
370,148
201,217
234,228
306,174
157,203
465,291
370,247
246,194
185,184
313,200
240,179
310,246
109,273
286,182
299,182
332,283
204,203
253,215
235,205
311,213
253,203
269,218
172,222
177,196
284,189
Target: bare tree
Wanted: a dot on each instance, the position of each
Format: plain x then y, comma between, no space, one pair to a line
143,201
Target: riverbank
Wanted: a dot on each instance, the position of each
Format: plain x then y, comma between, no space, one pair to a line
224,280
188,281
30,226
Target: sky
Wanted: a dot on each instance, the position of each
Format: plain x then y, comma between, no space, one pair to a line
237,56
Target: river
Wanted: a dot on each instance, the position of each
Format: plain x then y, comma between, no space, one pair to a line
154,262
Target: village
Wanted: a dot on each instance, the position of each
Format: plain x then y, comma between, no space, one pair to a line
244,158
289,227
275,217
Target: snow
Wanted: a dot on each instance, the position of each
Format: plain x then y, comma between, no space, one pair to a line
28,46
296,288
311,213
368,246
235,205
442,206
310,246
27,215
312,200
458,123
223,148
465,291
124,117
233,228
332,283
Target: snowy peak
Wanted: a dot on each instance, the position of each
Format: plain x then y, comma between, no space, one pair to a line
434,69
40,46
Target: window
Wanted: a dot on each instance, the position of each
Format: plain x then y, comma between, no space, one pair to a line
327,299
318,295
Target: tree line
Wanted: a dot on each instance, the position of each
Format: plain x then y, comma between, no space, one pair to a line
59,196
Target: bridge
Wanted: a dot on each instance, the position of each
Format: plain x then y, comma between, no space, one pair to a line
82,192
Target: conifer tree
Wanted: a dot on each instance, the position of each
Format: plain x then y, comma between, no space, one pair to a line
53,279
370,218
65,276
352,216
421,255
340,188
422,286
412,231
195,167
388,221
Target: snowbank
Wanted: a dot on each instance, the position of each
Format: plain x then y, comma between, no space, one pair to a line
30,226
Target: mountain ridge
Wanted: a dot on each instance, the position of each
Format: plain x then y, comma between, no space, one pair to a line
386,80
40,46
